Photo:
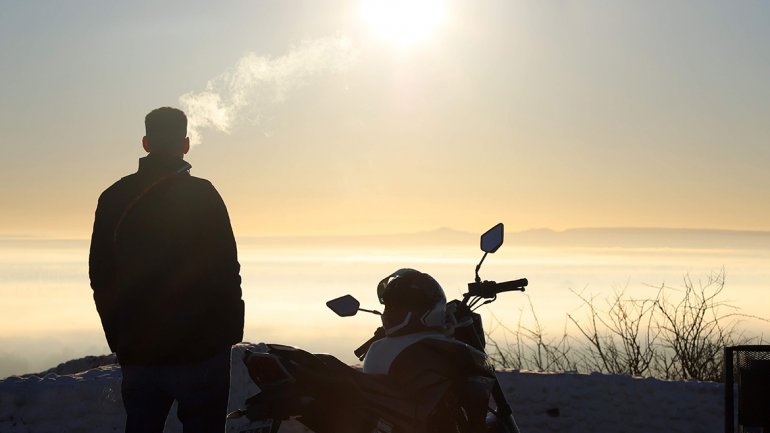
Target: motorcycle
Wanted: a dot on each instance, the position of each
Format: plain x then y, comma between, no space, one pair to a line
452,389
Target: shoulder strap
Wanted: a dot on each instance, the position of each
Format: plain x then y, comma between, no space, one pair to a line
143,193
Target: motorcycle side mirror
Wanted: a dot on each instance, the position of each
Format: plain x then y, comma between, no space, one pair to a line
344,306
492,239
490,242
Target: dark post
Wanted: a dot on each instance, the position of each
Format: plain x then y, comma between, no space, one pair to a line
729,398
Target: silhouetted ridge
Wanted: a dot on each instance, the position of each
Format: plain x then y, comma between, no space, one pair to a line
624,237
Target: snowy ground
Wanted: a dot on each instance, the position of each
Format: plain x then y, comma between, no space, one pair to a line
78,398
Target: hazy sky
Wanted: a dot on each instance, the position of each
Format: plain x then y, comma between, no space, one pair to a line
540,113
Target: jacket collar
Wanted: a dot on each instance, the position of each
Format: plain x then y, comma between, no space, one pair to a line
153,164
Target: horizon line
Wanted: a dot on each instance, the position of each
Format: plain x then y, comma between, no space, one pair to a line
284,235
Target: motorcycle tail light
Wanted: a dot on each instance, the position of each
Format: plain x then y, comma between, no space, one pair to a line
266,369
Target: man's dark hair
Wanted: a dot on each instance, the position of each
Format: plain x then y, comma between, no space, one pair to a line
166,128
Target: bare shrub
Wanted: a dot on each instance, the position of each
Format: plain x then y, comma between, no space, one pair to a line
678,334
695,330
531,349
620,338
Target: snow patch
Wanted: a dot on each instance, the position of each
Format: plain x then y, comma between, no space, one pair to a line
84,396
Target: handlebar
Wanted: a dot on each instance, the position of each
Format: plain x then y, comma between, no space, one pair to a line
490,289
483,289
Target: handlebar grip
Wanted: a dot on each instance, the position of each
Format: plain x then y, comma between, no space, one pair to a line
490,289
361,351
513,285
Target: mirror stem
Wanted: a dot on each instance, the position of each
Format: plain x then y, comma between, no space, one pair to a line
370,311
478,279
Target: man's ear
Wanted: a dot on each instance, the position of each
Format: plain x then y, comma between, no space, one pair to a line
186,145
146,144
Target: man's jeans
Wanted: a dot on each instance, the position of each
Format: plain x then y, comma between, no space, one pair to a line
201,388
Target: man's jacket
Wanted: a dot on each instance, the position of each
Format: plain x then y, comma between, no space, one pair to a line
164,268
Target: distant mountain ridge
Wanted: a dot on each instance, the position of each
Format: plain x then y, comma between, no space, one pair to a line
443,236
629,237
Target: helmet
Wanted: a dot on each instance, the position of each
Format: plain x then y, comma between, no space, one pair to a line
413,301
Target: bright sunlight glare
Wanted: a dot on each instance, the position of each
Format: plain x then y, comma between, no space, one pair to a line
403,22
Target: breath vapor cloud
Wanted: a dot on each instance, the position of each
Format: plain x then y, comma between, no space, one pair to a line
255,81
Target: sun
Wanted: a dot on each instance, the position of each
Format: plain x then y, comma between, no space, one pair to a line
403,22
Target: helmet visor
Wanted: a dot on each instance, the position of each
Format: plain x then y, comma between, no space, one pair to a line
383,284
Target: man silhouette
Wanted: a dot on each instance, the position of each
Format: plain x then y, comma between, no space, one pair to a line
165,279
